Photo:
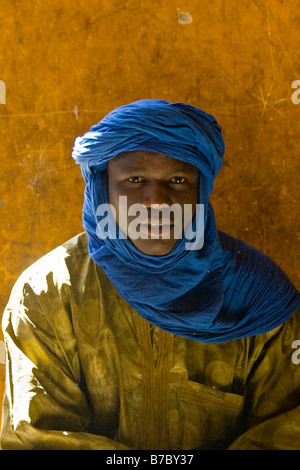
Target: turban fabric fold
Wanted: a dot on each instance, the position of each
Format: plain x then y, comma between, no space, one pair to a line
226,290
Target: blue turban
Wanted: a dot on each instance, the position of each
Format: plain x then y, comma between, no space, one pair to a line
226,290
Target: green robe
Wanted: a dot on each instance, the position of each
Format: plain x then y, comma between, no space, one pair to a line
85,371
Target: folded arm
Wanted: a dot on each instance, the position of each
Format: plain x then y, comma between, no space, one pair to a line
272,405
45,405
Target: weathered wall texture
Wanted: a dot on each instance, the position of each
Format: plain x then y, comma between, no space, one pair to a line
65,64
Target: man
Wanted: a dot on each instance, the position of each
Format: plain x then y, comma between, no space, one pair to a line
123,340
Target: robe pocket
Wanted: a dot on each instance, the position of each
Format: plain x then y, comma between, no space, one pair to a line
200,394
211,417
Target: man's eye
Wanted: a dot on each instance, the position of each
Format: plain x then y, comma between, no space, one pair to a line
177,180
135,179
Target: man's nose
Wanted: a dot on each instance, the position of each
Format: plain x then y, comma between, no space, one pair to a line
155,193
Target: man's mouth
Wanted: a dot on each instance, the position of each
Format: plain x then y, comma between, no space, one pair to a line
156,231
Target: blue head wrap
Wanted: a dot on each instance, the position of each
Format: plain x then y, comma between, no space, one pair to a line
224,291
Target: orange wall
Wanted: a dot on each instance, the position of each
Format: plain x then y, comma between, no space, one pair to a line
65,64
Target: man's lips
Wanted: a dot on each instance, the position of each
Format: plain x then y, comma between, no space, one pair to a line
156,230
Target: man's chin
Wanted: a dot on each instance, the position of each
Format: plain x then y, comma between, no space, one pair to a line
154,247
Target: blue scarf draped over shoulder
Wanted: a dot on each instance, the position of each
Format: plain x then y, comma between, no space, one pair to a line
224,291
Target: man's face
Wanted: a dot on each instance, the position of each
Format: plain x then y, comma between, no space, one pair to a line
149,178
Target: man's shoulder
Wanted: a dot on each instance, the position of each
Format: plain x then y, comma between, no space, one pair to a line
76,246
231,243
56,264
246,262
242,253
254,270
